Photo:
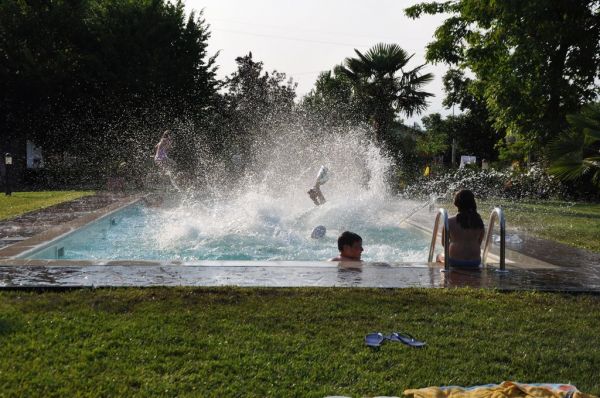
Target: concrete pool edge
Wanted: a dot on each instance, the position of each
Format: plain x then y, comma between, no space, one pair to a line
330,276
13,251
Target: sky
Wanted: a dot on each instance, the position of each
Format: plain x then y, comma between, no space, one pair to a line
305,37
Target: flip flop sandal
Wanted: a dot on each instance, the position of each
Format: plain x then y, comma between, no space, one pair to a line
406,338
374,339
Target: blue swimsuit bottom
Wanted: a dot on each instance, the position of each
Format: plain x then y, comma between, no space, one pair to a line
464,263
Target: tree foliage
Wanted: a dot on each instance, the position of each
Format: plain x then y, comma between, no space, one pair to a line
534,61
332,101
258,97
101,78
256,101
434,140
472,130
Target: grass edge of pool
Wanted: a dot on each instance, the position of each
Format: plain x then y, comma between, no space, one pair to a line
19,203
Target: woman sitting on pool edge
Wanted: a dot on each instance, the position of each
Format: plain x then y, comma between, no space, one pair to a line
466,233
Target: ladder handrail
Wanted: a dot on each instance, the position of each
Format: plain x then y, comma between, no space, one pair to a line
497,214
441,213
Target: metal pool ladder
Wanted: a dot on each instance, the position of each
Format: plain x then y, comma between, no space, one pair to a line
497,214
443,214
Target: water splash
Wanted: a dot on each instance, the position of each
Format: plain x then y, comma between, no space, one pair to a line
534,183
266,212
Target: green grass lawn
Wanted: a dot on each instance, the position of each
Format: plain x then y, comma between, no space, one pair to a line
574,224
226,342
22,202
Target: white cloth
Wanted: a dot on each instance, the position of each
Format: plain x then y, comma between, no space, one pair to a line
323,175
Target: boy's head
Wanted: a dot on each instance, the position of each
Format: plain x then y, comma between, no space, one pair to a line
350,245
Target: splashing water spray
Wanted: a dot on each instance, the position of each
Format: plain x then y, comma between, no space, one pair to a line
266,213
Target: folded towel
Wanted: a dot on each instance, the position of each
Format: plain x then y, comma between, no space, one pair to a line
507,389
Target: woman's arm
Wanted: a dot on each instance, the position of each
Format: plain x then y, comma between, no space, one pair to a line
443,236
450,226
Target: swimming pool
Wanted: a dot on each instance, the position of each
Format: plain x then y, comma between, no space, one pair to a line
195,233
188,245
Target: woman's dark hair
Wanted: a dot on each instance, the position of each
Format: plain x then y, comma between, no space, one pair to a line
348,238
467,216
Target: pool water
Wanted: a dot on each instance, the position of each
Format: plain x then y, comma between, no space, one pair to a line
262,211
193,233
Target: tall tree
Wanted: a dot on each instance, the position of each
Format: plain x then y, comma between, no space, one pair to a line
256,100
381,83
534,61
332,99
100,78
434,140
472,129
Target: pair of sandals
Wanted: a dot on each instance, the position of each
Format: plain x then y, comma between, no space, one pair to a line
377,339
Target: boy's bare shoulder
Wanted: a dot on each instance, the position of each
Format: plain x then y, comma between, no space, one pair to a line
345,259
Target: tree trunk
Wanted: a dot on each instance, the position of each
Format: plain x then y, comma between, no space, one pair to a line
554,113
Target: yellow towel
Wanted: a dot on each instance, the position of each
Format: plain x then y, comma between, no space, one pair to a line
507,389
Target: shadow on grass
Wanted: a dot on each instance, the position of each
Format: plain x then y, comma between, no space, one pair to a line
8,327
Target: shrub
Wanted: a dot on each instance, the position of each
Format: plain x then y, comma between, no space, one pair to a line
533,183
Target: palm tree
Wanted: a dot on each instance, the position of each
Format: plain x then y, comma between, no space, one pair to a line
577,153
385,87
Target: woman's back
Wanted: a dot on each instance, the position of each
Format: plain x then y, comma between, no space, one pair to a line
465,243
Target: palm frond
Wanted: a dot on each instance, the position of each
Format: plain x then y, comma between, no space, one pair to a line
386,58
416,80
378,75
567,170
569,152
571,143
589,117
591,136
596,178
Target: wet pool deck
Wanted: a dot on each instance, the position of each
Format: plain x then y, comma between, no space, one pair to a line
298,274
533,264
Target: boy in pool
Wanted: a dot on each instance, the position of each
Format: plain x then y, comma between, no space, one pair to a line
350,247
315,192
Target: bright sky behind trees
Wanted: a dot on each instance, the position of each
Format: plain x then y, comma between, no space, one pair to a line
303,38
